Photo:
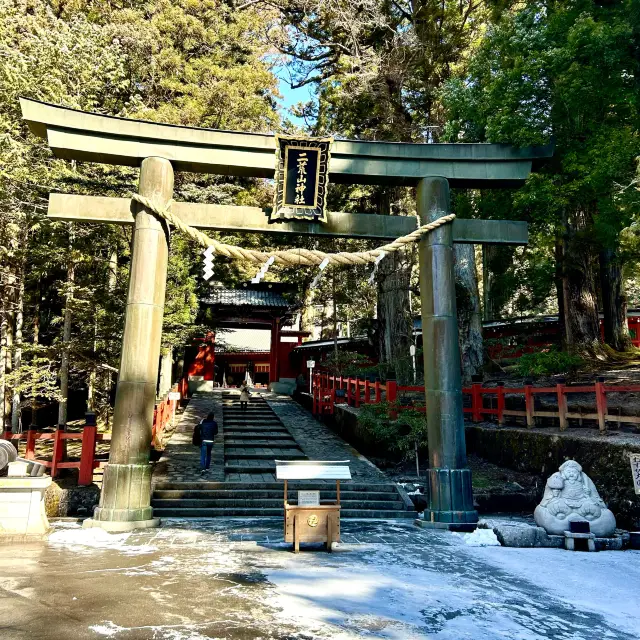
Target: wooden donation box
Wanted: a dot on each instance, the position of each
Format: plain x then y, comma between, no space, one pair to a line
308,520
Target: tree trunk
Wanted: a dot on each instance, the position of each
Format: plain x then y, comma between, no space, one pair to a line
166,369
306,313
3,360
91,386
66,339
335,317
488,311
394,317
16,410
559,279
614,302
7,397
468,305
36,340
579,291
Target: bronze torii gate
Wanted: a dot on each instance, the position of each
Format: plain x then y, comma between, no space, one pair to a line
160,149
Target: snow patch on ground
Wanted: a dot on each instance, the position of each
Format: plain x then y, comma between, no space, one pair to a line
481,538
95,538
606,583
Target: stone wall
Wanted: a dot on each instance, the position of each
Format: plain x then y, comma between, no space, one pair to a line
604,458
65,498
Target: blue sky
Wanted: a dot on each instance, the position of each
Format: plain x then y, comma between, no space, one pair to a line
291,96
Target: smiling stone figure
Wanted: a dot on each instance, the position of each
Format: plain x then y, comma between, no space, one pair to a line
570,495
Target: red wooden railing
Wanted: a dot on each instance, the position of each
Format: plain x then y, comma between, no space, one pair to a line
163,413
327,393
87,463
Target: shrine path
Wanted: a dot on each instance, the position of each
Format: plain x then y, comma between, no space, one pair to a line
181,460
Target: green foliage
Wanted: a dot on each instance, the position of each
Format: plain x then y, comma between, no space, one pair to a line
566,71
344,363
547,363
178,61
400,434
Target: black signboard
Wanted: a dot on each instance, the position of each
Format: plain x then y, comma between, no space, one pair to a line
302,176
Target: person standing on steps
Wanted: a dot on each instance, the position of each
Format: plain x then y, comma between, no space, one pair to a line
204,433
244,395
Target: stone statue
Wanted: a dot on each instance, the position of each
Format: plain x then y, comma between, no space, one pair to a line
571,495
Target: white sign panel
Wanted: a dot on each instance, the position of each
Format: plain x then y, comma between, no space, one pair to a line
635,471
312,472
308,498
311,364
174,395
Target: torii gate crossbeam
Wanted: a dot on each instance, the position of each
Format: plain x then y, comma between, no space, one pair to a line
160,149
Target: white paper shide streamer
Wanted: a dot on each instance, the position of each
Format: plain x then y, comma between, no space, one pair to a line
263,270
375,267
208,262
321,267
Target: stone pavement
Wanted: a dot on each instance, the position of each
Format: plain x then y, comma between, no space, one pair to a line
180,461
318,441
236,579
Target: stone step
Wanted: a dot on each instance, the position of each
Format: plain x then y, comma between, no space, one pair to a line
250,416
255,466
271,494
249,409
253,512
251,422
262,503
253,443
255,430
297,485
253,435
234,455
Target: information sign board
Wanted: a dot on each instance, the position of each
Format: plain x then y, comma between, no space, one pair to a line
308,498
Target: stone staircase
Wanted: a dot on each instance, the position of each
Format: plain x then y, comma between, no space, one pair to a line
211,499
253,440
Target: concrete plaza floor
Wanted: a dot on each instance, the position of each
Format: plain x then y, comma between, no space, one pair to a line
236,579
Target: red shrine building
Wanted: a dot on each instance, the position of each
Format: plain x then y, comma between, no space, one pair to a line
211,362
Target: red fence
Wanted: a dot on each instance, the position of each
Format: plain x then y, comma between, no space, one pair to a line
484,402
87,463
163,413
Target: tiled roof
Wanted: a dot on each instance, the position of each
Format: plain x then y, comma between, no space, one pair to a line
245,298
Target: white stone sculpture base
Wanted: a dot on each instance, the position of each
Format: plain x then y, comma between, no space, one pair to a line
22,510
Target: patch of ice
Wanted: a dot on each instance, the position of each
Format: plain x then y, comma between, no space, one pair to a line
481,538
605,582
108,629
96,538
93,537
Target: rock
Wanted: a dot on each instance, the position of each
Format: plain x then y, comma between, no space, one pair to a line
569,496
419,501
64,498
521,535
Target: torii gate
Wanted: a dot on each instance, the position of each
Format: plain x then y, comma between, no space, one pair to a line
160,149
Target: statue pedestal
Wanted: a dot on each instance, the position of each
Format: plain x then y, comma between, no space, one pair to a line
22,510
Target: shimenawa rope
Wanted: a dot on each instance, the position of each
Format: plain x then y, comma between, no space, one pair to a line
289,256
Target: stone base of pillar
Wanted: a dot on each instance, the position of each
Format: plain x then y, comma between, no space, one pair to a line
125,500
121,527
450,500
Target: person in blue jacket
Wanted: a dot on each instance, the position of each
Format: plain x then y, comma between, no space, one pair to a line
204,434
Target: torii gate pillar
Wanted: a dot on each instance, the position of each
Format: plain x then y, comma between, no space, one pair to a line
450,495
126,486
